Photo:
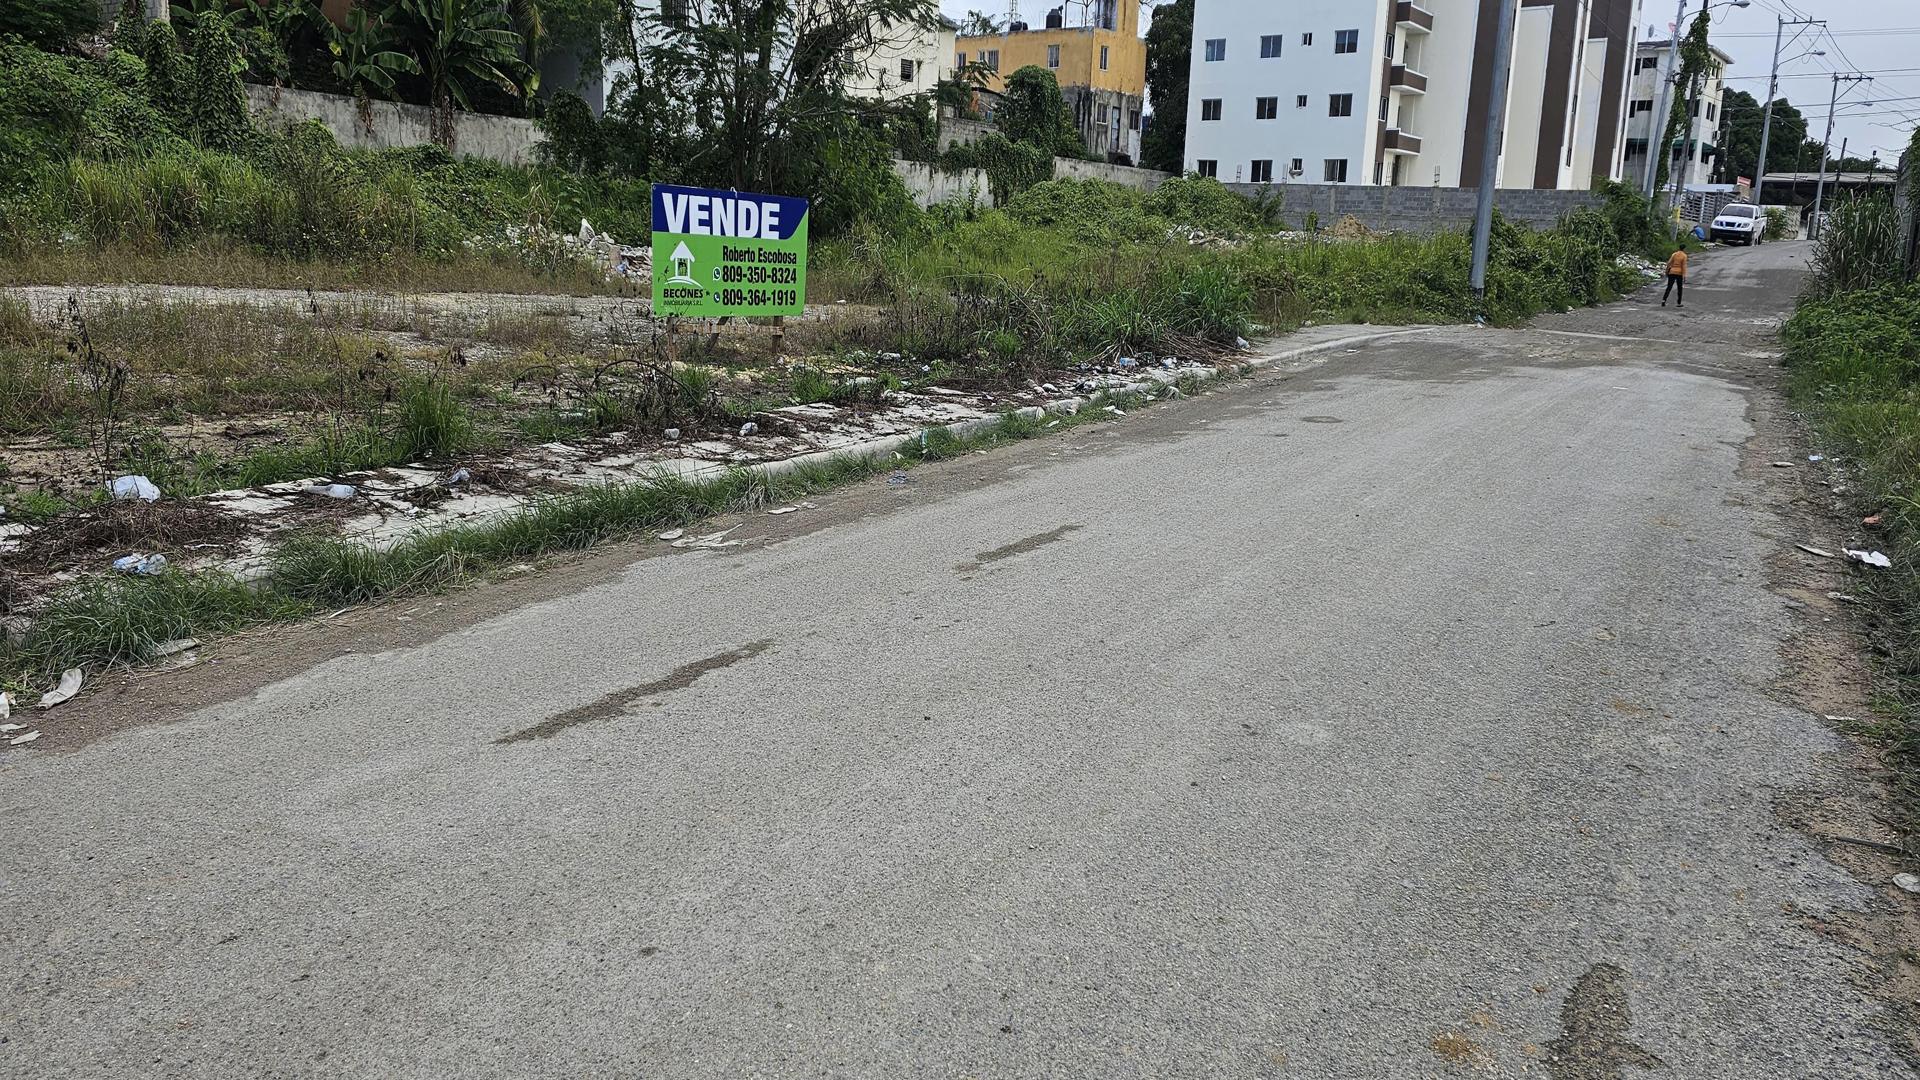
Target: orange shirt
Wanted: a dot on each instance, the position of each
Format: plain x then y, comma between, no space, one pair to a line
1677,266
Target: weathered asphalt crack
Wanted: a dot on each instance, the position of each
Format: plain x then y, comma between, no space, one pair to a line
612,704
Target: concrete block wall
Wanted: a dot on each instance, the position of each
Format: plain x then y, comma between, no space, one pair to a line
1415,209
510,140
931,185
1125,176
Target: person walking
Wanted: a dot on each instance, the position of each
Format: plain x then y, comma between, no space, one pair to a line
1676,279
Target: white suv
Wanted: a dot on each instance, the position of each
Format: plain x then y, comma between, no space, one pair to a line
1737,223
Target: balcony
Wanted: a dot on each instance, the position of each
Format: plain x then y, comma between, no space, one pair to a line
1404,80
1412,18
1400,142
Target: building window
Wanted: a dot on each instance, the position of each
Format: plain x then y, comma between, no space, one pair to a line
1339,104
1266,108
1306,39
1207,167
674,13
1216,49
1379,173
960,61
1391,38
1346,41
1335,171
1269,46
1636,147
1383,108
1053,56
1640,106
906,71
1103,58
1133,119
1296,167
1647,63
990,59
1210,108
1300,102
1262,172
1710,111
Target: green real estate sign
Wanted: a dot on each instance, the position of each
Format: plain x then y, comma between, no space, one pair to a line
728,253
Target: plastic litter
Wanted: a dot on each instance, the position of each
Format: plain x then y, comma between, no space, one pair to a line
672,433
1240,343
22,740
70,681
1870,558
6,708
147,565
332,491
1816,457
134,487
1871,519
1845,598
749,428
460,476
1907,882
1128,361
177,645
673,534
792,509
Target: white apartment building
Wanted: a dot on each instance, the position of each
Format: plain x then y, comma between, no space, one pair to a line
906,60
1653,65
1396,91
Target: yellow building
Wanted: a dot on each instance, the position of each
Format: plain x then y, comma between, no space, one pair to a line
1093,48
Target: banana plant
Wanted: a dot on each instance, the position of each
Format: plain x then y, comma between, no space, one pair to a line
363,57
460,44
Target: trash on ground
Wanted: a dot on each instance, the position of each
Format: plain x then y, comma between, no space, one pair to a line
1116,410
899,476
1907,882
1872,519
1054,423
1842,719
134,487
70,681
22,740
332,491
1871,558
1783,464
709,541
6,708
673,534
671,433
1845,598
1240,343
5,728
146,565
793,508
460,476
1811,550
177,645
1816,457
749,428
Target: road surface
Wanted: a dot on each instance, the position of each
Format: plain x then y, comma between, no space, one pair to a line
1408,712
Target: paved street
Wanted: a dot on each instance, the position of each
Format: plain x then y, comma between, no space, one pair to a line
1402,712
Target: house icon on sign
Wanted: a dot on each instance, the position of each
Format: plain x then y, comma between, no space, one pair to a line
682,266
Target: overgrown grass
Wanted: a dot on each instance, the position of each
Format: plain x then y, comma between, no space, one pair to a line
1853,355
121,620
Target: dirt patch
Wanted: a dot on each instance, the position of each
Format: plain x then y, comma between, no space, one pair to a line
615,703
1019,547
1595,1025
1456,1049
117,528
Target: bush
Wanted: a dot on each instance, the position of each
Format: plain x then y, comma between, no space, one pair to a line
48,24
1202,203
1033,112
1859,247
1094,209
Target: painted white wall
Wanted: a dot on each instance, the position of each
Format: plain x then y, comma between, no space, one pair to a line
1526,95
1442,121
1646,87
932,53
1593,71
1238,138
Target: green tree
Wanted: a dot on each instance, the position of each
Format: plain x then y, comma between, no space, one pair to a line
1032,111
459,45
364,57
979,24
50,24
1740,137
168,78
1169,65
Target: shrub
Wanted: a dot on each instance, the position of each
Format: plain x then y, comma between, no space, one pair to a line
49,24
1033,112
1202,203
1859,247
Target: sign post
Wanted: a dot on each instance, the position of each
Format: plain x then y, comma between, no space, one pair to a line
726,253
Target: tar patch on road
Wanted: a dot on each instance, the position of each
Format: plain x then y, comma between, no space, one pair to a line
1018,547
1594,1025
613,704
1321,420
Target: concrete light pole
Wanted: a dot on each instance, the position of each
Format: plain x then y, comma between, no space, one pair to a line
1496,123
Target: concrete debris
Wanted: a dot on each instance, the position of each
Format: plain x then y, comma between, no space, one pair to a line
70,681
673,534
145,565
1870,558
671,433
1811,550
1907,882
1241,343
1646,268
332,491
792,509
134,487
710,542
22,740
177,645
6,709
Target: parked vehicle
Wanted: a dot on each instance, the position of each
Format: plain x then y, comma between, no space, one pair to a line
1737,223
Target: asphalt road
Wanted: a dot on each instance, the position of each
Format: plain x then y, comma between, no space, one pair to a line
1407,713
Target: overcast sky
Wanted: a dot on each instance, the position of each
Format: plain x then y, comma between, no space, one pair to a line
1877,37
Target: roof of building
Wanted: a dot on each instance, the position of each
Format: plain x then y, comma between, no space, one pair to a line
1666,44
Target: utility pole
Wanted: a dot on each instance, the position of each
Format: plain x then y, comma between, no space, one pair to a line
1773,91
1826,144
1657,145
1496,124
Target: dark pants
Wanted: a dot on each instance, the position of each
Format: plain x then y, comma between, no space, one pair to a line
1675,283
